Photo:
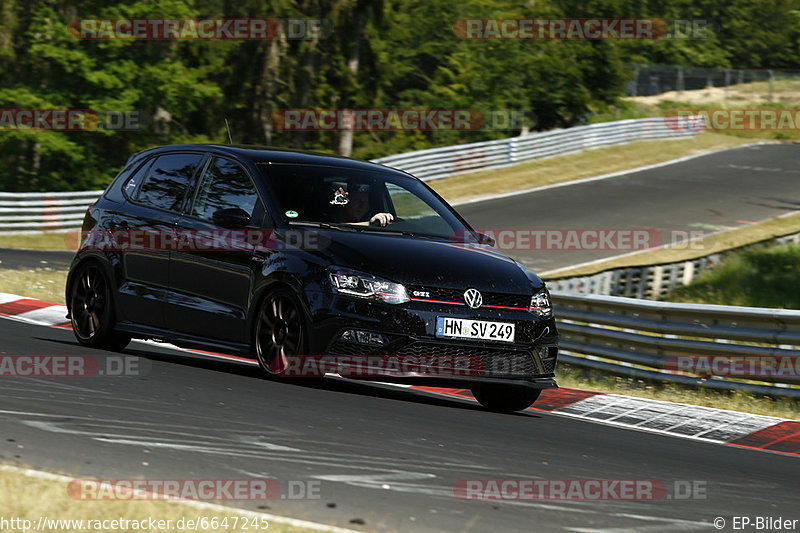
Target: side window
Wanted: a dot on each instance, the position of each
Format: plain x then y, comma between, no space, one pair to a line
168,180
408,205
225,184
133,182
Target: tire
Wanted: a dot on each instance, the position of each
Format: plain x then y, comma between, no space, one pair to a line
505,398
91,308
280,335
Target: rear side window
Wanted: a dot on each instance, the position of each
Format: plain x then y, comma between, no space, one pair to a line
225,184
130,186
168,180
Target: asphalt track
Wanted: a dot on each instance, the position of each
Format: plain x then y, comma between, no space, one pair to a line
55,259
718,191
387,456
391,457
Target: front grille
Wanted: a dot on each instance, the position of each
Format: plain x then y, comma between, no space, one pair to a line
352,348
446,359
482,361
456,296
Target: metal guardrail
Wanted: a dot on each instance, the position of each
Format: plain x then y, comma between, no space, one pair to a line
33,212
51,211
645,339
436,163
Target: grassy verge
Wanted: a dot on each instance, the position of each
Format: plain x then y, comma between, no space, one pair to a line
43,283
751,96
30,498
766,277
584,164
38,241
714,243
582,378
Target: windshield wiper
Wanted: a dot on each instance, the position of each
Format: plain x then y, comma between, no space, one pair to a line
326,225
398,232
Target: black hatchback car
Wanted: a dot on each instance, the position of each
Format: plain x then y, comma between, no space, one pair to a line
310,264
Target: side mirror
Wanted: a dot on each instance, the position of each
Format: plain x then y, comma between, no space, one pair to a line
232,217
485,239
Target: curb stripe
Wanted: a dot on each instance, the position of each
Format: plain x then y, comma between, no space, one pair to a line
550,399
705,424
783,437
554,399
732,428
23,305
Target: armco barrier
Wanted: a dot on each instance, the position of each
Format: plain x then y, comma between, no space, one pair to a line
435,163
643,339
33,212
51,211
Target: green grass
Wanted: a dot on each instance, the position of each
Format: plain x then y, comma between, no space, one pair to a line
576,377
42,283
41,241
764,277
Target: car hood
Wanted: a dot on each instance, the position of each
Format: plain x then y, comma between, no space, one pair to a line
428,262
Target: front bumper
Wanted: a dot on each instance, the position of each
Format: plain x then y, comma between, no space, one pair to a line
413,354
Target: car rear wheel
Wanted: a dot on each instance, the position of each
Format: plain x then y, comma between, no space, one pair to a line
505,398
280,335
91,308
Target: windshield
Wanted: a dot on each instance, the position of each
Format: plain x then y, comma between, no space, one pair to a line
359,199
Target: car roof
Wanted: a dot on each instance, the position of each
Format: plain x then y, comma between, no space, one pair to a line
266,154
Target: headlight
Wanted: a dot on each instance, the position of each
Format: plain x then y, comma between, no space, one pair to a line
367,286
540,304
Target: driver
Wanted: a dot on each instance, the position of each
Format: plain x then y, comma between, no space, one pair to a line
353,206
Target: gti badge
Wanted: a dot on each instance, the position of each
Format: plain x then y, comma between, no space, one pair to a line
473,298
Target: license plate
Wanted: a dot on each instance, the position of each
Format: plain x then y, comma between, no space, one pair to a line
463,328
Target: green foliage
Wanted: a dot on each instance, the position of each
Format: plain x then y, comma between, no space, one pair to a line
406,56
756,278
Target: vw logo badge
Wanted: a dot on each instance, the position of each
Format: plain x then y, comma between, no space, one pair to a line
473,298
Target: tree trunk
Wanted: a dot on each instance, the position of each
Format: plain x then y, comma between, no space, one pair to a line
353,58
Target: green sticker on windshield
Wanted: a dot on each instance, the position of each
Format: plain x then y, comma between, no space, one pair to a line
291,214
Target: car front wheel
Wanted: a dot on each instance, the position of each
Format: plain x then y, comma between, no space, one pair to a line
280,335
